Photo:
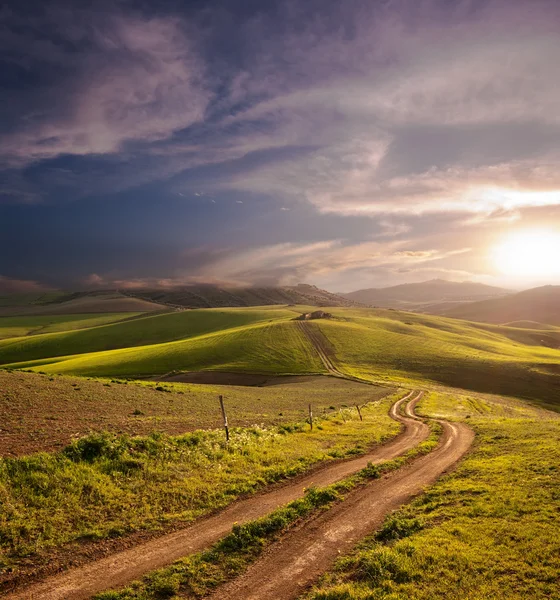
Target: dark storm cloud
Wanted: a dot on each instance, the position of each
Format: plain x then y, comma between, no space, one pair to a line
198,124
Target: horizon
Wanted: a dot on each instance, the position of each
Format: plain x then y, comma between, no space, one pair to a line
354,146
98,290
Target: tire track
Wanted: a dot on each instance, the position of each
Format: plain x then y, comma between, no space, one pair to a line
294,563
319,346
121,568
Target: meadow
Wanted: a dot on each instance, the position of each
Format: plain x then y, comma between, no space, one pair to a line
383,345
392,346
89,455
488,530
11,327
106,485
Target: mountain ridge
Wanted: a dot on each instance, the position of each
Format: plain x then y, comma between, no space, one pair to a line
415,296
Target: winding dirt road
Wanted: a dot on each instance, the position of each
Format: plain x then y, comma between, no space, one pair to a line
123,567
301,556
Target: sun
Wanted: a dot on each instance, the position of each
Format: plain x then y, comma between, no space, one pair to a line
529,254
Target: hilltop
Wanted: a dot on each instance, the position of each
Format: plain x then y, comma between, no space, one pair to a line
376,344
212,296
540,305
150,300
436,294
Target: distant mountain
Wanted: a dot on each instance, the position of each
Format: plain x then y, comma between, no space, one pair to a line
436,295
211,296
540,305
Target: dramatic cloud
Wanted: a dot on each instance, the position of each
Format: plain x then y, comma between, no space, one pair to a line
402,114
124,77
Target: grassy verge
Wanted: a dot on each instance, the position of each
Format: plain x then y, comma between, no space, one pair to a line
108,485
197,575
489,530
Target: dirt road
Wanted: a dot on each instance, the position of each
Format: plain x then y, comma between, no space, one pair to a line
123,567
294,563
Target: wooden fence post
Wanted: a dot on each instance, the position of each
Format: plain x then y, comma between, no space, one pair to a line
310,417
359,413
224,415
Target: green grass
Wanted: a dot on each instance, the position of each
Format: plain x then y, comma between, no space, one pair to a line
198,575
420,349
106,485
384,345
138,332
276,347
11,327
489,530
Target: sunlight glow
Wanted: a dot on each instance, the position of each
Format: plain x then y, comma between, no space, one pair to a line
529,254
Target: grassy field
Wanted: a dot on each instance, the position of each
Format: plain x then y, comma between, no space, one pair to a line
44,413
149,330
11,327
484,531
276,347
106,485
420,349
197,575
384,345
489,530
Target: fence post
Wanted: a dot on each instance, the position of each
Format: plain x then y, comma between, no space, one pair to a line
310,417
224,415
359,413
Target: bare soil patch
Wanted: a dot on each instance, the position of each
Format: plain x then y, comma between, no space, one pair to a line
43,413
243,379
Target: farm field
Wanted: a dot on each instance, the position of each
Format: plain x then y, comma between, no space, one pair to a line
393,346
44,413
384,345
94,454
488,530
11,327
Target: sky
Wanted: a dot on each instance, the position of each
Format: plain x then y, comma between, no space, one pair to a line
351,144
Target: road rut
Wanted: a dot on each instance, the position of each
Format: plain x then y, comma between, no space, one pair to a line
123,567
294,563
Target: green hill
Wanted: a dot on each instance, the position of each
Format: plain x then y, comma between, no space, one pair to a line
388,345
138,332
384,345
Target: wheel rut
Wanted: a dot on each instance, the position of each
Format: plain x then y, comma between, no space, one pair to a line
125,566
293,564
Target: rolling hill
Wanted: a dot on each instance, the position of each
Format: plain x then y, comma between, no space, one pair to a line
376,344
211,296
539,305
436,293
61,303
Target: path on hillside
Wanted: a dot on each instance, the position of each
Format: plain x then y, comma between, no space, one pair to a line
317,341
294,563
123,567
